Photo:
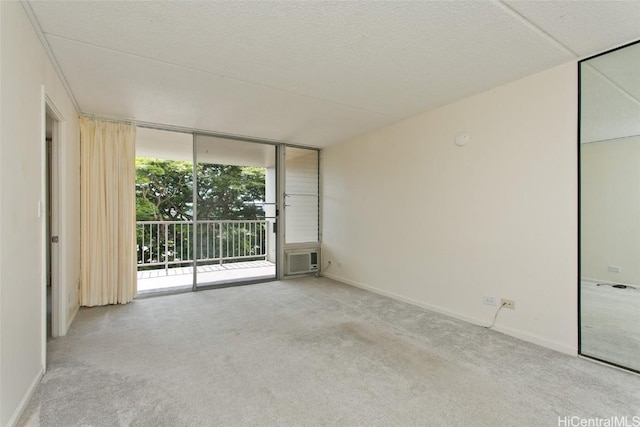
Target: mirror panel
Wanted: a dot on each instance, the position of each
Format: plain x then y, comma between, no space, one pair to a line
610,207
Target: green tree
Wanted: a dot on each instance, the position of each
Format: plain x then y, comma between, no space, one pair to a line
164,191
230,192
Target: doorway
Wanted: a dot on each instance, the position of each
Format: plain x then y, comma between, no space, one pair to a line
205,211
235,191
51,214
216,211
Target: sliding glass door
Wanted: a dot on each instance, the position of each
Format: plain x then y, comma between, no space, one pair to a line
216,211
234,239
164,210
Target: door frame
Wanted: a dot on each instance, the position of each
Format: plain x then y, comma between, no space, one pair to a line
280,175
49,204
279,155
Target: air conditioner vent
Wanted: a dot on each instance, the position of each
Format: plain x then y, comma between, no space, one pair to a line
302,262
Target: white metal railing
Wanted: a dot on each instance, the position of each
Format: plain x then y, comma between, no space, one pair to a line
170,243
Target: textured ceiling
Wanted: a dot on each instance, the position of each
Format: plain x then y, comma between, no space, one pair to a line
311,73
610,95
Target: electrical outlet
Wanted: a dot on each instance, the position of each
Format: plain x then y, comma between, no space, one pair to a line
486,300
508,303
615,269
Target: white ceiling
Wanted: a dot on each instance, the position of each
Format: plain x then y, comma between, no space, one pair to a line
160,144
311,73
610,101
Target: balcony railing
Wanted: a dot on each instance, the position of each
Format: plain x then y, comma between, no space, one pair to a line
169,244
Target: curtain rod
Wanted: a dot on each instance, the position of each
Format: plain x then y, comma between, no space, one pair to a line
182,129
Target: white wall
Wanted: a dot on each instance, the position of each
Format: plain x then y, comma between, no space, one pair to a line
24,69
610,173
409,214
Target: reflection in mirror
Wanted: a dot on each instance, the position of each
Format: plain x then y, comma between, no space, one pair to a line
610,207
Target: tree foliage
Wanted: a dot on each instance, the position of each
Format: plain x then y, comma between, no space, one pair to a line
164,191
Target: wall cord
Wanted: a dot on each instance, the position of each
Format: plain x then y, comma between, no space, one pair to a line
496,316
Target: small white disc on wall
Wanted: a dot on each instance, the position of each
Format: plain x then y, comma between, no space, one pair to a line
462,138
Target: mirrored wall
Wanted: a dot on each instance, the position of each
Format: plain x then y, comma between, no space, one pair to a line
610,207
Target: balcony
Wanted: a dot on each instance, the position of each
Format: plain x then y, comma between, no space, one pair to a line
225,251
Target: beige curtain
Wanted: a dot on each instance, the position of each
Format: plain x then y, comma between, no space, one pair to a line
108,212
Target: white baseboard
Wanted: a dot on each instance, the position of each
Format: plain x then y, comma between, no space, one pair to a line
71,319
469,319
25,399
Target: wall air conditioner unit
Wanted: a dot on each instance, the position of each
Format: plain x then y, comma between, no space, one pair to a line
299,262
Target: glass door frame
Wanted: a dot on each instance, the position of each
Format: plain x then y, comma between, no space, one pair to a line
279,248
279,152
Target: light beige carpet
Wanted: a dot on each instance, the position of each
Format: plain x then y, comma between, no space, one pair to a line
309,352
611,324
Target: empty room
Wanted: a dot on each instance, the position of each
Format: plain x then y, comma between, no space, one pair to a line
305,213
